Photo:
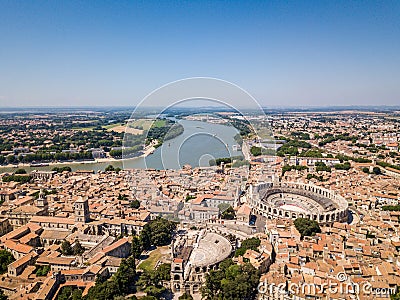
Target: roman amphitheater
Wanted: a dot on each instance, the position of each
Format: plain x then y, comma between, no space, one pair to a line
297,200
194,254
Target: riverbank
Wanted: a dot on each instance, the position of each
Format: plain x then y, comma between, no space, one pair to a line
146,152
199,142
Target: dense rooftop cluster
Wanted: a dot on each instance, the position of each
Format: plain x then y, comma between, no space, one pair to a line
64,232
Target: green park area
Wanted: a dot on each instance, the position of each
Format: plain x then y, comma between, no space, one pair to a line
156,255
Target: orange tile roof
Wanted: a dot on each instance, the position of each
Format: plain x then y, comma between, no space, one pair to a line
21,248
115,245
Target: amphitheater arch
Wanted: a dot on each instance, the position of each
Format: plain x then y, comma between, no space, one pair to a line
321,204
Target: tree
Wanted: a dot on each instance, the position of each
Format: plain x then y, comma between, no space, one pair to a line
311,153
11,159
212,285
255,151
240,251
288,168
122,197
225,264
20,171
228,214
162,231
6,258
17,178
223,206
185,296
62,169
391,207
136,248
2,296
77,249
365,170
155,291
395,296
145,237
125,276
68,292
232,282
135,204
346,166
145,280
307,227
250,243
164,272
151,281
322,167
157,232
66,248
377,171
104,291
42,271
109,168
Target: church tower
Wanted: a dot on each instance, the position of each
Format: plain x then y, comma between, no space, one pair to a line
81,208
42,203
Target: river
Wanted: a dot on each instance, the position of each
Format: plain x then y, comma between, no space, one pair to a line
200,142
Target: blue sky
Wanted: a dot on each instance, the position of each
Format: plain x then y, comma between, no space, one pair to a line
300,53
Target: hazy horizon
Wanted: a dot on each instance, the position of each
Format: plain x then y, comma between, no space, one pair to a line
278,107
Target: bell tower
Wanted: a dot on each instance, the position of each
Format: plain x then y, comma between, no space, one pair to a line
41,202
81,208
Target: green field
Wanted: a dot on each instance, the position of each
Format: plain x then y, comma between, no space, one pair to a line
111,126
144,123
89,128
150,263
147,123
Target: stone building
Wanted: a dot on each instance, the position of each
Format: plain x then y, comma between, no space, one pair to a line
81,209
193,257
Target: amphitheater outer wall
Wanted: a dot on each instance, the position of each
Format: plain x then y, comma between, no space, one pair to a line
261,207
